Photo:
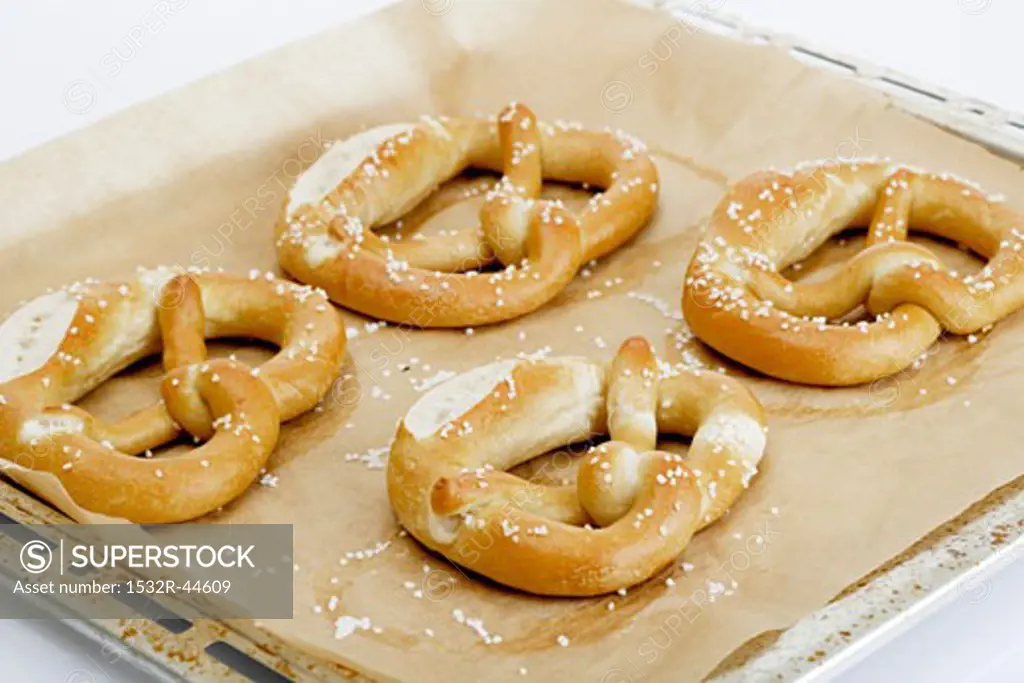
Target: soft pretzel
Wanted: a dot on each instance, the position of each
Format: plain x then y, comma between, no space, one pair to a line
62,345
326,238
736,300
448,485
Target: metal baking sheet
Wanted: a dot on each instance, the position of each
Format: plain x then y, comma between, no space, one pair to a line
954,562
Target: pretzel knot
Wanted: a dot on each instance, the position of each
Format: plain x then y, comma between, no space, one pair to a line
736,300
326,238
69,342
448,485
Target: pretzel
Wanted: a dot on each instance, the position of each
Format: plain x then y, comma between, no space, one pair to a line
447,483
70,341
326,238
736,300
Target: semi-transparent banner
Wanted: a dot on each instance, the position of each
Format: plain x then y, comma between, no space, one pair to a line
97,571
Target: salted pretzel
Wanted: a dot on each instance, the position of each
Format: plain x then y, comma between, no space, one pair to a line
62,345
736,300
326,238
448,485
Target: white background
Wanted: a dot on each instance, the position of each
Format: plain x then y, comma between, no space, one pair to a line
55,61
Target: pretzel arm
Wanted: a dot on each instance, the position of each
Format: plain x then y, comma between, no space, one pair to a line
610,479
505,217
382,191
432,299
300,320
452,496
135,434
767,338
633,395
960,307
620,167
182,323
724,459
451,252
311,355
506,543
891,220
729,435
844,290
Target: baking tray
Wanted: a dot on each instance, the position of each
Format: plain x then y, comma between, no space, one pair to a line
954,562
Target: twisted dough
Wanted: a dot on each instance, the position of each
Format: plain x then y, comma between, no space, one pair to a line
325,236
735,300
447,483
90,331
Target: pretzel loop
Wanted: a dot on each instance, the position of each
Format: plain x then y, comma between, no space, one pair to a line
447,483
99,329
736,300
325,236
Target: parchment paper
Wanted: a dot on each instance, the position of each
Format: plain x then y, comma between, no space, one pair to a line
851,478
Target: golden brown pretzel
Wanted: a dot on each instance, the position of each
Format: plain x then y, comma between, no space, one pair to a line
447,483
70,341
736,300
326,238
